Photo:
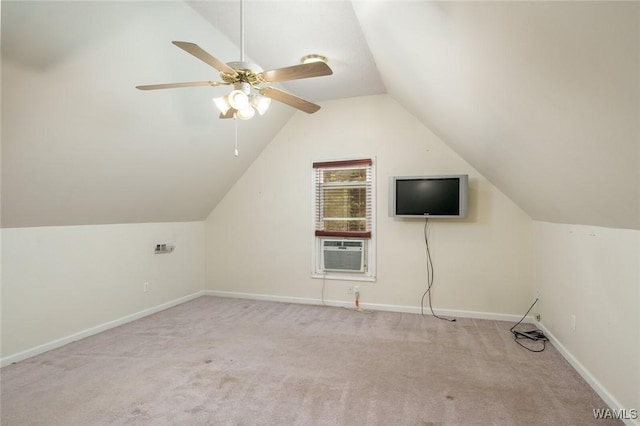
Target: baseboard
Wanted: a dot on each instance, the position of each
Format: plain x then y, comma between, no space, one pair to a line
94,330
608,399
370,306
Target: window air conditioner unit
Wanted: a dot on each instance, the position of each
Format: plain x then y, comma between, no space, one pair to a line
343,255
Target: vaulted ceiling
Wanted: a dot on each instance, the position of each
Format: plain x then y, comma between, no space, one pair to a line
543,98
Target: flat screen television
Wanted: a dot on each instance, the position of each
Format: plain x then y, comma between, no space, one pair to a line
441,196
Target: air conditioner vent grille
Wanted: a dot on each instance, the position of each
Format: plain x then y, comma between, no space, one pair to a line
343,255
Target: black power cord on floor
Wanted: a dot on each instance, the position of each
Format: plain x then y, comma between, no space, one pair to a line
430,276
535,335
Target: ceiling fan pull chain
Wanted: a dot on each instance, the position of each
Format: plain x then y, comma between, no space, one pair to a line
235,121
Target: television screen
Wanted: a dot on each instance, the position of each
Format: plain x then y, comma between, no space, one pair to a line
429,196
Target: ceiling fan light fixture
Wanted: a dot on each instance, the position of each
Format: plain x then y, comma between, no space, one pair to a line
260,103
238,99
222,103
313,57
246,113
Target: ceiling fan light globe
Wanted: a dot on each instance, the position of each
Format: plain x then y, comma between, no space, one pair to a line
246,113
261,103
222,103
238,99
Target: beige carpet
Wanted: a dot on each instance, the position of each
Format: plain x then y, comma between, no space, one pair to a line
216,361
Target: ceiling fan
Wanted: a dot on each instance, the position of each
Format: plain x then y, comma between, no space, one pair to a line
252,90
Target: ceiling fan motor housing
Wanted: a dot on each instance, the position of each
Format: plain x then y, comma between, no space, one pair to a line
247,72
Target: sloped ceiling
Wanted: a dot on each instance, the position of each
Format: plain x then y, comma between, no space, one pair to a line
80,145
543,98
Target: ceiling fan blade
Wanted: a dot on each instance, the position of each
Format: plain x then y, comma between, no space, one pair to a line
313,69
175,85
289,99
199,53
229,113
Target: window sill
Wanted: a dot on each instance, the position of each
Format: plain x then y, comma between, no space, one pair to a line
343,277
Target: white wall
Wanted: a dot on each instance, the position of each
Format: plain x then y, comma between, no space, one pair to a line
594,274
60,281
259,236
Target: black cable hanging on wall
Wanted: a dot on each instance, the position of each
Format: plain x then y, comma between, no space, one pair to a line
430,275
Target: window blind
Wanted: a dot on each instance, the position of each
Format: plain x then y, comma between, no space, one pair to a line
343,198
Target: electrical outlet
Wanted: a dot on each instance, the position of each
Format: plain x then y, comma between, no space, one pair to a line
145,286
350,290
538,296
573,322
356,288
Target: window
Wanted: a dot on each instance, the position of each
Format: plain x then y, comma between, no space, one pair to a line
344,218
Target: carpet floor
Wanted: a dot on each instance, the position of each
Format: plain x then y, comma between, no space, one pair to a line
221,361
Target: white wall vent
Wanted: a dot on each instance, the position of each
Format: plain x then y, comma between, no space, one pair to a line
343,255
